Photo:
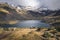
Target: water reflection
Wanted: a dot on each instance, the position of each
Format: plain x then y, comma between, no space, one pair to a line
27,23
32,23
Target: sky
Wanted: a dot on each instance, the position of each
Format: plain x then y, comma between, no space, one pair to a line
50,4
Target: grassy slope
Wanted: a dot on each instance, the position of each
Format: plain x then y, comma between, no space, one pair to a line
22,34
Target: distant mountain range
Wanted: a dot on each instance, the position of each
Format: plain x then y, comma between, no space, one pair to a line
8,12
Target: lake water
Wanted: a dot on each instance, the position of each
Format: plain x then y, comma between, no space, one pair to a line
28,23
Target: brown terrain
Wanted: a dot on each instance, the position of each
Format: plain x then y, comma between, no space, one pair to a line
29,34
9,15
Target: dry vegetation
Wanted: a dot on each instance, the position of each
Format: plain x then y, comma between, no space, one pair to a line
28,34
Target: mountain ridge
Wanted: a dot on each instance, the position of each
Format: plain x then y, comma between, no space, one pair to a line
12,13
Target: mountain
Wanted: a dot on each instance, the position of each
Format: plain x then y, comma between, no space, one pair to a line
18,14
9,13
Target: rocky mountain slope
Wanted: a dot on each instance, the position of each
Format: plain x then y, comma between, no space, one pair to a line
8,13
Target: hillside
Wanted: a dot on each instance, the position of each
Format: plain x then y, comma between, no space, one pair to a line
29,34
15,14
9,13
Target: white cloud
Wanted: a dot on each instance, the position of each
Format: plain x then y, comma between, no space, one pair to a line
51,4
31,3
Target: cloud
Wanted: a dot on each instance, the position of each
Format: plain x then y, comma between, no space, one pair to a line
32,3
51,4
